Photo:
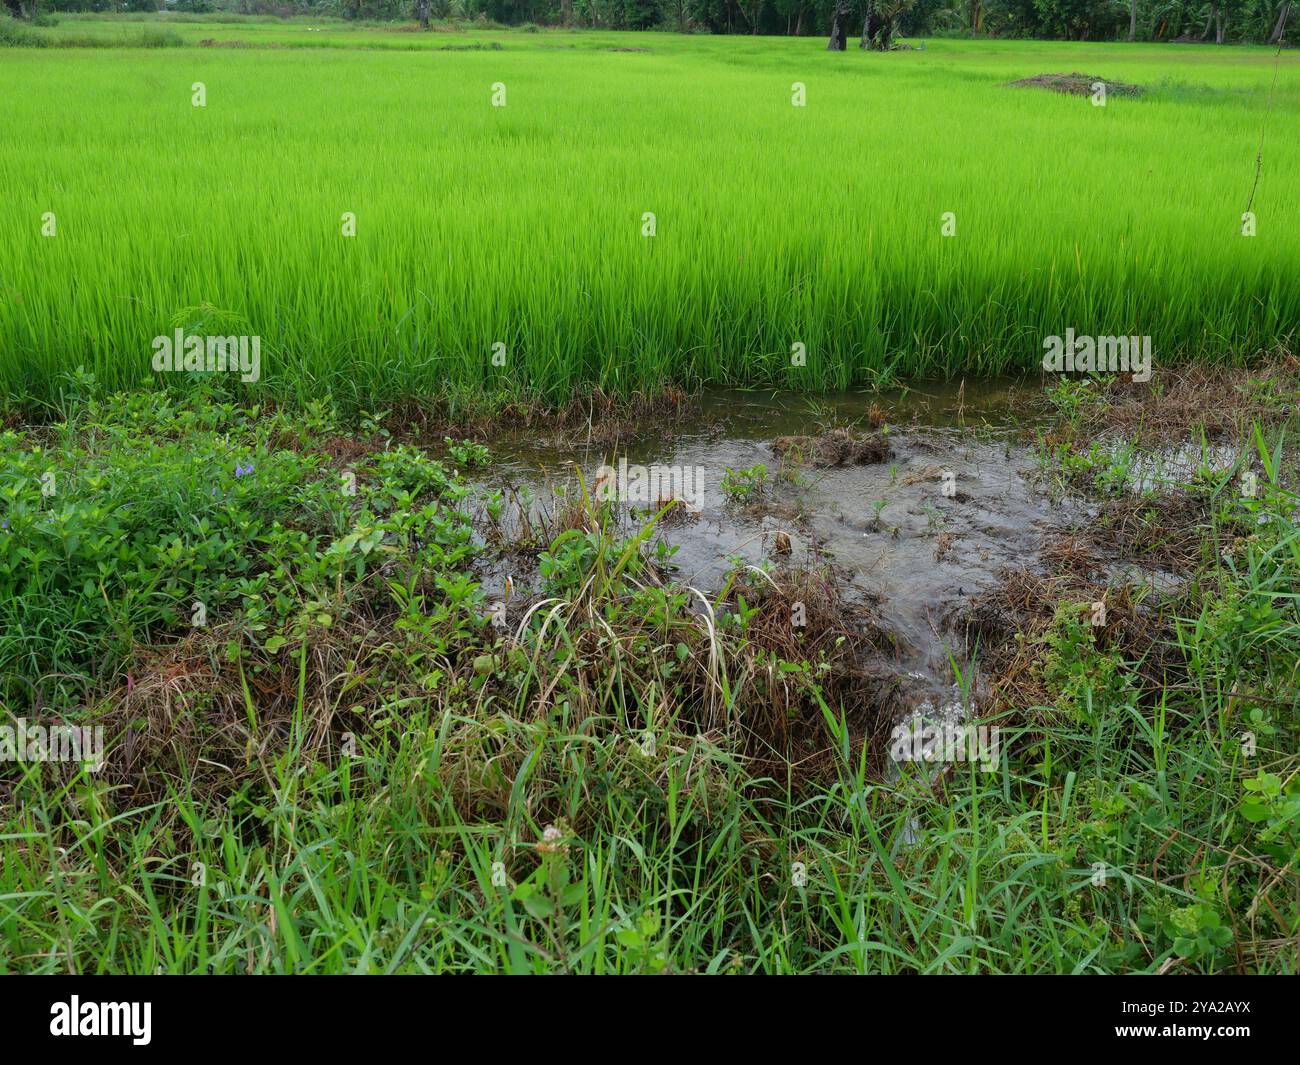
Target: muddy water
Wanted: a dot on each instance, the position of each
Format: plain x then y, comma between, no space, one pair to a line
911,538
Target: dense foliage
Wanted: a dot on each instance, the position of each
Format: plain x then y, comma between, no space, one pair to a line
1088,20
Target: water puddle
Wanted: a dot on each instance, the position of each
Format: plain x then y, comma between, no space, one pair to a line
942,497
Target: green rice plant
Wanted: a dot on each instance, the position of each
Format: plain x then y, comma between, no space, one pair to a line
500,250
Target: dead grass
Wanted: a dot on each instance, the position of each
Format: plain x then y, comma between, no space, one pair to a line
837,447
1165,530
1076,84
1179,403
784,727
596,420
179,722
1008,624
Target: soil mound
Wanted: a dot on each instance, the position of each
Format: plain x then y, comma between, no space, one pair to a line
1077,84
839,447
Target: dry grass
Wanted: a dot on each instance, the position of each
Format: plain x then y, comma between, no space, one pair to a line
837,447
1180,403
1076,84
1008,624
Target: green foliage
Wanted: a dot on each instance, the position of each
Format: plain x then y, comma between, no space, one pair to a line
1274,806
1087,682
566,802
1198,931
745,486
140,514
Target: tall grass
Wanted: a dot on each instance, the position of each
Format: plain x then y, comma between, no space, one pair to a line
15,34
522,225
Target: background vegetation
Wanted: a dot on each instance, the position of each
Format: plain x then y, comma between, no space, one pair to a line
1093,20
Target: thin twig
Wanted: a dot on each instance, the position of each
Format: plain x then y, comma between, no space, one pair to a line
1259,154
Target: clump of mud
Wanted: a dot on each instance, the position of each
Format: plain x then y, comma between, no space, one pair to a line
1077,84
839,447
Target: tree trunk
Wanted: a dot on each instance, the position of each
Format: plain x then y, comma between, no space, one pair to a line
868,26
839,41
798,24
1218,27
1132,19
1276,35
877,31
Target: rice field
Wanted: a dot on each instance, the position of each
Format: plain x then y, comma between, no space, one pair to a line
353,197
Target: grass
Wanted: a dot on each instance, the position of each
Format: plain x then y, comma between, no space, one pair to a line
522,225
345,767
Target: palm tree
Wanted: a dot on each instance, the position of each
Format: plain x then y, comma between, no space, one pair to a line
881,23
840,26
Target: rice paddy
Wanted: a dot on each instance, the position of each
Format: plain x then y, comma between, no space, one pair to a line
508,247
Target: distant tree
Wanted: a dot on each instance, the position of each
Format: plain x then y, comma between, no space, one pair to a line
880,23
839,41
792,11
676,13
1280,25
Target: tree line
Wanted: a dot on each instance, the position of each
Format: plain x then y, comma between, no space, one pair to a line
879,22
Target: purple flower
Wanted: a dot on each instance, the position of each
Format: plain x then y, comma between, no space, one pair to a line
240,470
